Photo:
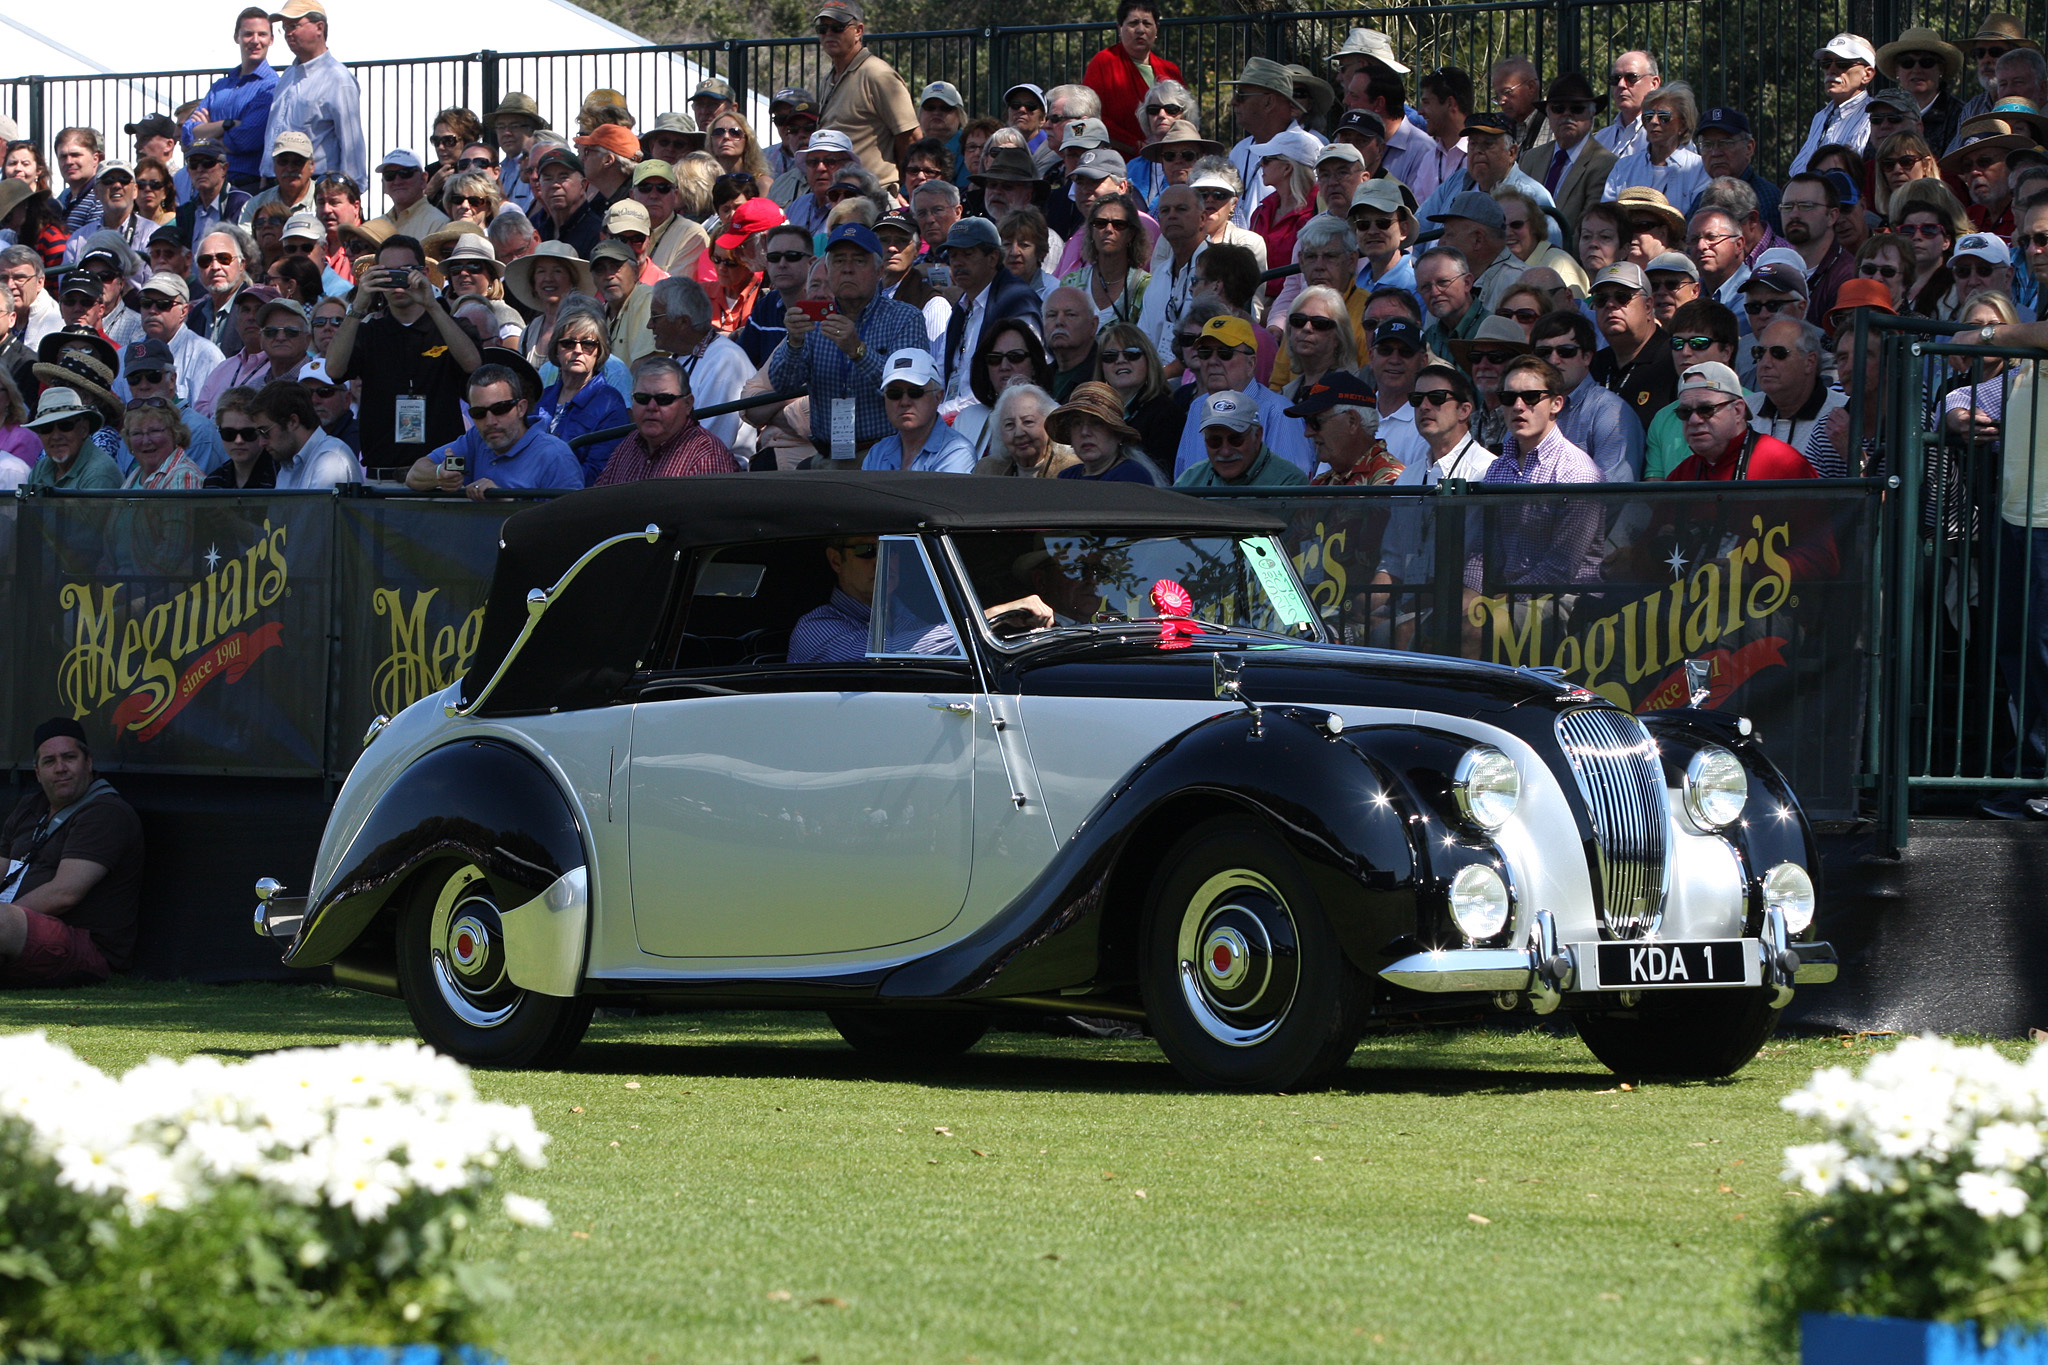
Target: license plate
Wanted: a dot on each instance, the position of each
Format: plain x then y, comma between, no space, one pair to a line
1636,966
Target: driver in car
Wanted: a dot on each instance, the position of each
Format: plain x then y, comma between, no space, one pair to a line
837,633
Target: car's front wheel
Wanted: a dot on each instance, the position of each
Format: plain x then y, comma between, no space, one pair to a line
1702,1035
910,1035
1245,985
451,970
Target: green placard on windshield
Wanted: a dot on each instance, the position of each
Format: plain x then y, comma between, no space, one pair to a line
1279,584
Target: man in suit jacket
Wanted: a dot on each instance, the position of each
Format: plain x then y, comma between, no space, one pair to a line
1572,166
988,294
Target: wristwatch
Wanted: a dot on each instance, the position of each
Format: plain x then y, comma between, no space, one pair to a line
1984,333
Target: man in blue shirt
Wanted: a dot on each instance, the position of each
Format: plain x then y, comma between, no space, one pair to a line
839,357
237,106
910,395
1594,420
501,450
839,631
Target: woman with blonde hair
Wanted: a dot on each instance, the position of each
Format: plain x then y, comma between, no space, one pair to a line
695,175
1901,159
732,145
157,436
1319,338
581,400
1114,252
1020,447
472,195
1126,361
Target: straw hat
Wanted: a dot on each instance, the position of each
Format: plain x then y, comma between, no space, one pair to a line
1493,334
2009,127
1097,401
1999,27
1181,133
442,240
80,370
519,275
1921,40
60,404
1643,199
516,105
477,248
367,237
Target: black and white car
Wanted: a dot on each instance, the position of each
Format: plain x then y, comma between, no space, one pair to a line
1178,802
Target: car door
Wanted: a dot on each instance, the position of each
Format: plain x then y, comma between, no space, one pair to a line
781,809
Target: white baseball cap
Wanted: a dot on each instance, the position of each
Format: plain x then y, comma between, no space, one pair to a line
1295,144
830,140
913,365
1984,247
1850,47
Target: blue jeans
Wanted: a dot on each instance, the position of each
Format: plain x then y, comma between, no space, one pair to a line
2023,655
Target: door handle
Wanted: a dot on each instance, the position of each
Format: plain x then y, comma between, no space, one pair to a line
958,708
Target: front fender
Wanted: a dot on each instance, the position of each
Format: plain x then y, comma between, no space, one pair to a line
1317,792
479,801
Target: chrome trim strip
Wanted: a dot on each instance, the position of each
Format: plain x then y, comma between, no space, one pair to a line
544,938
1462,969
1817,964
537,600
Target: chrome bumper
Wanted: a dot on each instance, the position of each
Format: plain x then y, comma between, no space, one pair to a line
1546,969
277,917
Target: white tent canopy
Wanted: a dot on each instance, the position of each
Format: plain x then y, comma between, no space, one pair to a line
66,43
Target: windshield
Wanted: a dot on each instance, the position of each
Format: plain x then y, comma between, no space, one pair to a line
1091,579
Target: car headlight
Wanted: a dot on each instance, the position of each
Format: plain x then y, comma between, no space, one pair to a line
1487,785
1716,788
1479,902
1789,891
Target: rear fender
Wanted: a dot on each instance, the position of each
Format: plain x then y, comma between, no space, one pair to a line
475,801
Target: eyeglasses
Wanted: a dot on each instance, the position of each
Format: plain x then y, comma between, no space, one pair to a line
78,298
1300,320
1526,316
1434,398
1008,358
903,393
477,412
1989,161
1515,224
1696,345
821,160
1112,224
396,172
1215,437
1614,298
1771,306
1887,114
839,192
1492,357
1659,115
66,426
464,268
2033,241
1928,230
1988,54
161,305
1688,411
827,26
654,187
153,186
656,400
1214,196
1671,283
1714,238
146,376
235,436
1627,77
1918,61
590,344
729,132
1212,352
1131,354
1390,349
1803,206
1563,350
1897,163
1569,108
1871,270
283,333
290,161
857,551
1177,158
1971,267
475,201
200,163
1364,224
445,140
1021,107
1170,110
475,163
1517,398
787,257
1831,65
326,322
1443,282
324,392
1780,353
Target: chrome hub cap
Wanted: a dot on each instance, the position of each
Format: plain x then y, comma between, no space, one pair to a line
467,949
1239,958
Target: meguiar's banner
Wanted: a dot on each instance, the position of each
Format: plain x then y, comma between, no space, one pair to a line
260,635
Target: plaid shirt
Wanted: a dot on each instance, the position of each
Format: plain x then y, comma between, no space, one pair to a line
692,451
828,372
1546,542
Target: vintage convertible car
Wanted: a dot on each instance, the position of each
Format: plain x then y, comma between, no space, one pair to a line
786,742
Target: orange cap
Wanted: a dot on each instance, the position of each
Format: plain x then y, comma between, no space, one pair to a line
613,139
1861,293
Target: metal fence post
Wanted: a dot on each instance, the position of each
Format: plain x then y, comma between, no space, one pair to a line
736,70
488,60
1569,38
1271,28
998,62
37,121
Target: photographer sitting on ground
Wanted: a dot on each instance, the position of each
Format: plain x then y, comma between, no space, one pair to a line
70,870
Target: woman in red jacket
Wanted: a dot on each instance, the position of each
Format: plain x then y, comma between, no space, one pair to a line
1122,72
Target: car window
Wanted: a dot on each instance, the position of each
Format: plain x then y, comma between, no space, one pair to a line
745,600
910,618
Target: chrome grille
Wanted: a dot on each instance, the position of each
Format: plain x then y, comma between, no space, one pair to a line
1622,780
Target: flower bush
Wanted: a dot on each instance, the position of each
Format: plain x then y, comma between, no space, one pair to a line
186,1209
1926,1199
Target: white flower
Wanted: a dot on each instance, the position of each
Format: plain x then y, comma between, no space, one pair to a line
528,1213
1817,1167
1991,1196
1867,1175
1832,1096
2006,1146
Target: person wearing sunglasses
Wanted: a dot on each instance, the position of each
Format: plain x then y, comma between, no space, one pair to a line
291,164
1776,289
1225,358
1572,165
1233,441
1173,142
149,376
409,211
65,423
862,96
1795,396
1666,161
248,464
1726,445
317,95
502,449
1595,420
919,441
1637,364
1889,261
1631,78
1927,67
1674,281
1848,64
667,441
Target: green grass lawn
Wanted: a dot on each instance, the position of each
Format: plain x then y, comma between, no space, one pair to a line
741,1188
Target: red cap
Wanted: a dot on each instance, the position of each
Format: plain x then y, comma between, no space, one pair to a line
755,215
613,139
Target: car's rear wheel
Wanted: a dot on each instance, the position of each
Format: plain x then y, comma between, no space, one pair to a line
1701,1035
1245,985
451,970
910,1035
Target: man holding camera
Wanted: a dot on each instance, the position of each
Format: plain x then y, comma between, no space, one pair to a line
413,359
502,450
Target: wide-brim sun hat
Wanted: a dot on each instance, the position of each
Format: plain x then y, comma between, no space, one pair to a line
1097,402
519,275
61,403
1181,133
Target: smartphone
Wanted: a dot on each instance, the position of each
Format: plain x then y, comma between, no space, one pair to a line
817,310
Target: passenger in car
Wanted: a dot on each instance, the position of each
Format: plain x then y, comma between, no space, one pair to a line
837,633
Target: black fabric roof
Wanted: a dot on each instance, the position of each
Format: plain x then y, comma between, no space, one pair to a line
592,639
